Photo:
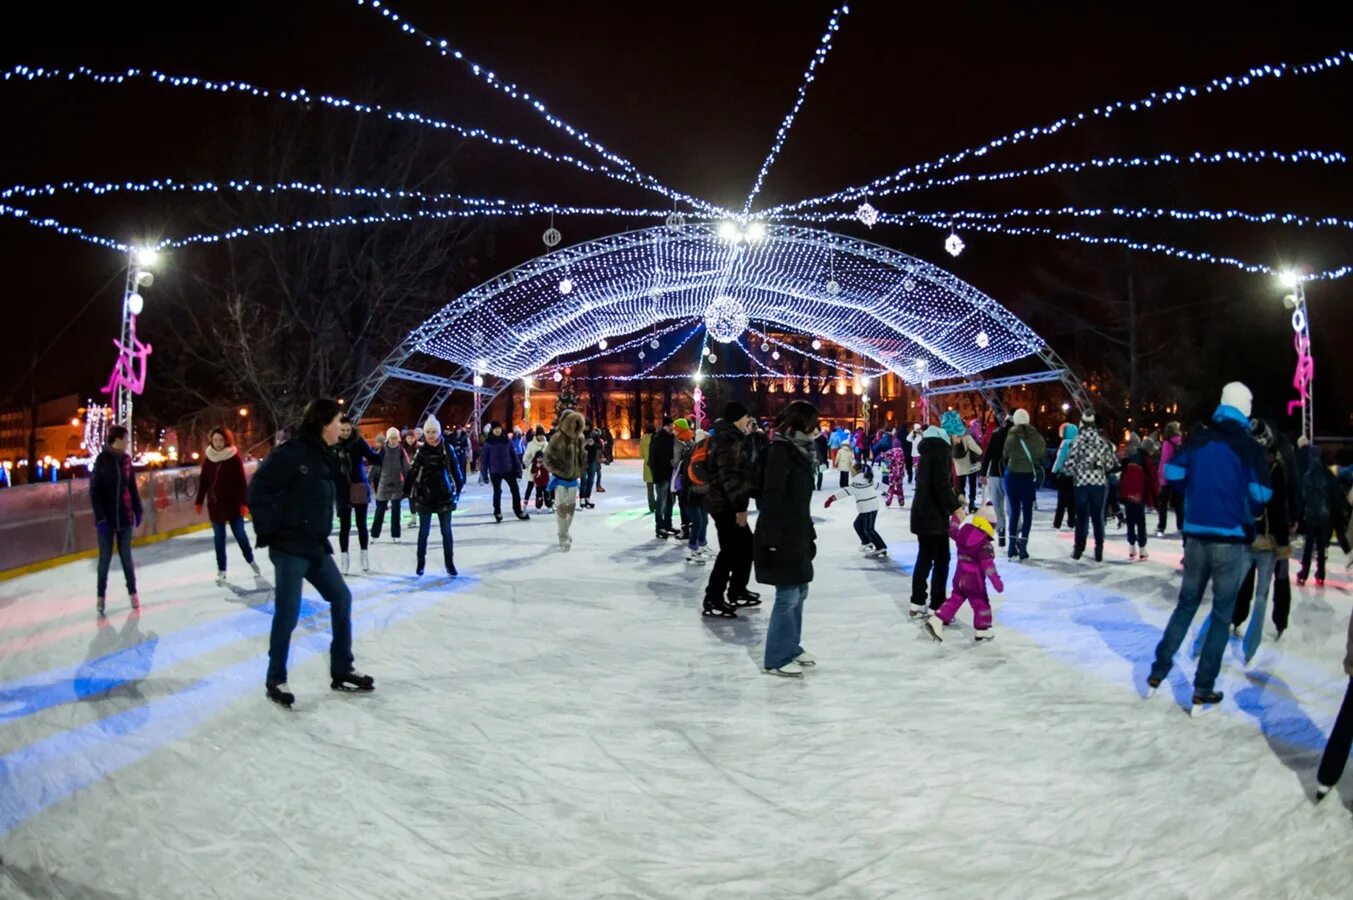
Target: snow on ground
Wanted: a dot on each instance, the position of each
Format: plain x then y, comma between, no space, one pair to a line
555,726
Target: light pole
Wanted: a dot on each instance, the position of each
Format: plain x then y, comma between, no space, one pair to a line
1301,340
138,276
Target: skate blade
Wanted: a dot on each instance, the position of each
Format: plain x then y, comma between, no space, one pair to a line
1199,710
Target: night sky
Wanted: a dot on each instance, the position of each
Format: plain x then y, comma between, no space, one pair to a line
693,94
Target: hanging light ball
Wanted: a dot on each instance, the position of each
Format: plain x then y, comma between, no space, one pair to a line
775,355
551,237
726,319
867,214
135,303
655,294
478,380
908,284
641,354
601,344
712,357
833,287
765,347
953,244
558,377
817,345
654,343
983,340
566,286
676,221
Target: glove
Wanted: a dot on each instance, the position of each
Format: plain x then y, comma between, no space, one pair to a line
197,508
829,501
138,520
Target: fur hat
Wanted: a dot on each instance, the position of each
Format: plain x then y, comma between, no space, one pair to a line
734,411
1021,417
1237,396
392,435
432,428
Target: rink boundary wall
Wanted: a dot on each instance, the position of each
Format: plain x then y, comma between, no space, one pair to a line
46,525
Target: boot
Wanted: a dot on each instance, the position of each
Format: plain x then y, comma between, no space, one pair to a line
1000,537
497,516
1132,552
744,597
366,561
1142,555
100,606
353,682
717,608
221,578
136,602
1099,552
1023,549
525,517
347,563
253,564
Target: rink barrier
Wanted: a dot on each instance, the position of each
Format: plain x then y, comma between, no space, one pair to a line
47,525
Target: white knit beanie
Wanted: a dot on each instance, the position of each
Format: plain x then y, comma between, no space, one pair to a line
1021,417
392,436
432,428
1237,396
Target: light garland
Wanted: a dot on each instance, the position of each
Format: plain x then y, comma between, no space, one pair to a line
824,46
63,229
302,97
1150,101
1182,215
487,76
824,360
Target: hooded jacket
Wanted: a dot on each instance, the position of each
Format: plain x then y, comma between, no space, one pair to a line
112,491
864,492
291,498
730,470
565,456
501,457
351,454
222,484
435,478
1020,438
934,500
785,541
1223,473
1069,433
976,560
537,444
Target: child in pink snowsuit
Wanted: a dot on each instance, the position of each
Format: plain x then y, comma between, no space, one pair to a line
976,564
897,474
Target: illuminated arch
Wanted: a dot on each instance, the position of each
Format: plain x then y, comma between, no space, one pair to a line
912,318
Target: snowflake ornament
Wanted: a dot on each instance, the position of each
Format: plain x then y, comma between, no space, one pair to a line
833,287
676,222
551,237
726,319
653,343
908,284
983,340
867,214
953,244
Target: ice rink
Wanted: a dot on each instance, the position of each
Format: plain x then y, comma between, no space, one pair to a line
569,726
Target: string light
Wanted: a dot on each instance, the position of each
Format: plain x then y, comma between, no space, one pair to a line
302,97
487,76
825,360
1183,215
824,46
1151,101
63,229
526,322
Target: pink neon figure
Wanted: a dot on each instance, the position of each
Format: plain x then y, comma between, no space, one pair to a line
1305,372
699,397
124,370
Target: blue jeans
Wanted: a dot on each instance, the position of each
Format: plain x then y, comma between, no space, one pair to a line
786,625
597,466
699,524
663,513
1223,564
124,552
218,533
591,474
323,575
448,543
1019,489
1090,499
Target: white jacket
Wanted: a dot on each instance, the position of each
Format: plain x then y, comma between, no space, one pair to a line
533,446
845,458
974,460
915,438
865,492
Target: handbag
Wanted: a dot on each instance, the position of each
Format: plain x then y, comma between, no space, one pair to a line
1038,473
357,495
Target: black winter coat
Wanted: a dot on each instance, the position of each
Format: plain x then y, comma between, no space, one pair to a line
784,544
934,500
1273,522
435,479
660,452
112,491
291,498
821,448
1320,493
730,470
993,465
350,458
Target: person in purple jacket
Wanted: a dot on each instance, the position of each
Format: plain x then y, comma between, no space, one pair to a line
117,511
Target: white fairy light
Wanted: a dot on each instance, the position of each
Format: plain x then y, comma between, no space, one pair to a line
601,344
867,214
566,286
953,244
983,340
817,345
726,319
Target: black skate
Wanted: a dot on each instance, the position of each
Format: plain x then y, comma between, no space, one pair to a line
523,516
743,598
1153,685
1203,703
281,695
918,611
497,517
718,609
354,683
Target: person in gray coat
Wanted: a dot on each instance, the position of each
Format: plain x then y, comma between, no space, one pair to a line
394,466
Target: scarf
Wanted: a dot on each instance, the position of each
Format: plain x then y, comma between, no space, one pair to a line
219,456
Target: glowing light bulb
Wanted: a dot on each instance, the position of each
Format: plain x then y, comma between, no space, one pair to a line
146,257
566,286
558,377
775,355
729,231
135,303
953,244
601,344
817,345
756,233
1289,278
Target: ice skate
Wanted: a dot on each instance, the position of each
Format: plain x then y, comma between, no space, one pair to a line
1321,790
366,561
525,517
100,606
1153,685
718,609
933,626
1132,552
805,659
1206,702
565,544
866,549
1159,533
744,597
347,563
353,682
498,517
984,636
1142,554
878,554
695,557
136,601
281,695
396,540
253,564
220,579
918,611
790,669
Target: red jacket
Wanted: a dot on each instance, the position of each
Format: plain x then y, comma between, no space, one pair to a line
1136,484
221,482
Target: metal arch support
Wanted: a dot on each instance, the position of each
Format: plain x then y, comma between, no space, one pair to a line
435,405
375,380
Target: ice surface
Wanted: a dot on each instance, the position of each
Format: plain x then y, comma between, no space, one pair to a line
551,726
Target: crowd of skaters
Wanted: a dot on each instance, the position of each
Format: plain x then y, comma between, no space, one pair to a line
1238,489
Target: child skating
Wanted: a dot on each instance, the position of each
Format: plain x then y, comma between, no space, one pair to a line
897,470
866,495
976,565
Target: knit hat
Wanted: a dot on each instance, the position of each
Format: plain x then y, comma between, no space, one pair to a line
952,423
681,425
392,435
1263,433
1021,417
1237,396
734,411
1088,419
683,430
432,428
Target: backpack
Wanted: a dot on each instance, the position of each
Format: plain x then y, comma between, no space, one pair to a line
697,469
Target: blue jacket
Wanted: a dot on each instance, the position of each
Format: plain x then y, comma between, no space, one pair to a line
1224,476
836,440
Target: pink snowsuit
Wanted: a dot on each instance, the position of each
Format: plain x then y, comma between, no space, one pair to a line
976,563
897,476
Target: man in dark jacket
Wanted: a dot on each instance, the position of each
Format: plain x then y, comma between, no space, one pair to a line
435,480
820,455
993,473
117,511
660,459
1223,474
730,490
933,503
504,464
292,501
